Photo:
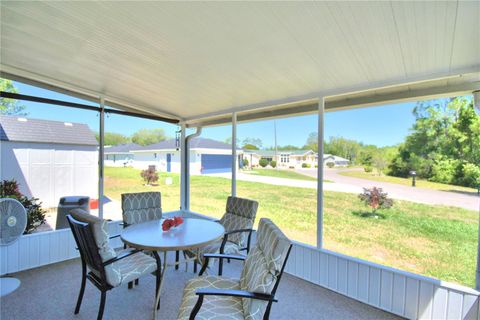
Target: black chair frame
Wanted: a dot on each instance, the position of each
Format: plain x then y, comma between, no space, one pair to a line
270,298
83,235
222,247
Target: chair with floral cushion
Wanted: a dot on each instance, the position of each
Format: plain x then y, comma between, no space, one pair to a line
107,269
141,207
238,222
251,297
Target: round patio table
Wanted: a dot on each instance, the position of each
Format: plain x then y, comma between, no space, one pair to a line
190,235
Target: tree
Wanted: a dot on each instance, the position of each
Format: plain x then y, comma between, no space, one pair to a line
288,147
345,148
113,139
249,146
257,143
10,106
145,137
444,144
229,141
312,142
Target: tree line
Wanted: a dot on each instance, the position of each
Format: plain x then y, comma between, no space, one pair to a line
143,137
443,145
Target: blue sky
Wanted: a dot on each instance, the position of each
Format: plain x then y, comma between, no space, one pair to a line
381,126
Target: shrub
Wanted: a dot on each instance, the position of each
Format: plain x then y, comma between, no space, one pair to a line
368,169
149,175
35,213
245,162
375,198
263,163
470,176
305,165
273,163
330,164
443,170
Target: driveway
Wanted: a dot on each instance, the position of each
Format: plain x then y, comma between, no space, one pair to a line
397,191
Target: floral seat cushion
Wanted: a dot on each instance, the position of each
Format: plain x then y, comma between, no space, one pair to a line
213,307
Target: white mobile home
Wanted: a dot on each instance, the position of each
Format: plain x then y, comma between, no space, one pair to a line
206,156
120,155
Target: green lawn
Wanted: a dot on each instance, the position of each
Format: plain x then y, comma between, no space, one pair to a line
435,241
405,181
280,173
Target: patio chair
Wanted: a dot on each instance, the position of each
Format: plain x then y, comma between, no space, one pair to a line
238,222
251,297
107,269
141,207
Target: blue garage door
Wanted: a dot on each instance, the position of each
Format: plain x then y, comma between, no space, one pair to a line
216,163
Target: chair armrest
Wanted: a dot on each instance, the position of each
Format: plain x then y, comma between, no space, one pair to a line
223,256
121,256
235,293
220,256
225,238
226,292
238,231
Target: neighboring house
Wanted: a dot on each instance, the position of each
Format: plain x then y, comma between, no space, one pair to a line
120,155
206,156
292,158
338,161
283,158
49,159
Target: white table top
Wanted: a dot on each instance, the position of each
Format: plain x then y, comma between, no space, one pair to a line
191,234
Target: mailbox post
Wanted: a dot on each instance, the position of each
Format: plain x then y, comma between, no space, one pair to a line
413,174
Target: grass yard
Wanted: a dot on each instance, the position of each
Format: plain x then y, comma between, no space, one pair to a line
436,241
280,173
406,181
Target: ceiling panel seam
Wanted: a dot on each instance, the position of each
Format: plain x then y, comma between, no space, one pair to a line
399,42
453,37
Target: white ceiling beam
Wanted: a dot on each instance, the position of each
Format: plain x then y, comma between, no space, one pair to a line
30,78
375,99
329,94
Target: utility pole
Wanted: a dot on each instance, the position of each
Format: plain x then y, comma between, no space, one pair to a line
275,133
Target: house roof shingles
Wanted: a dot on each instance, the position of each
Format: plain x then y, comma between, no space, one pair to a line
21,129
122,148
195,143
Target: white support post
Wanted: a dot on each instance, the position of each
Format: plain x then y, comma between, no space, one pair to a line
101,155
476,104
183,170
234,154
321,112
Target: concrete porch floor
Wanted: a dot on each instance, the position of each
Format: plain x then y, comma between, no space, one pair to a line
50,292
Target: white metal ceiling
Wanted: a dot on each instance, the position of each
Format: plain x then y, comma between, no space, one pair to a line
192,60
